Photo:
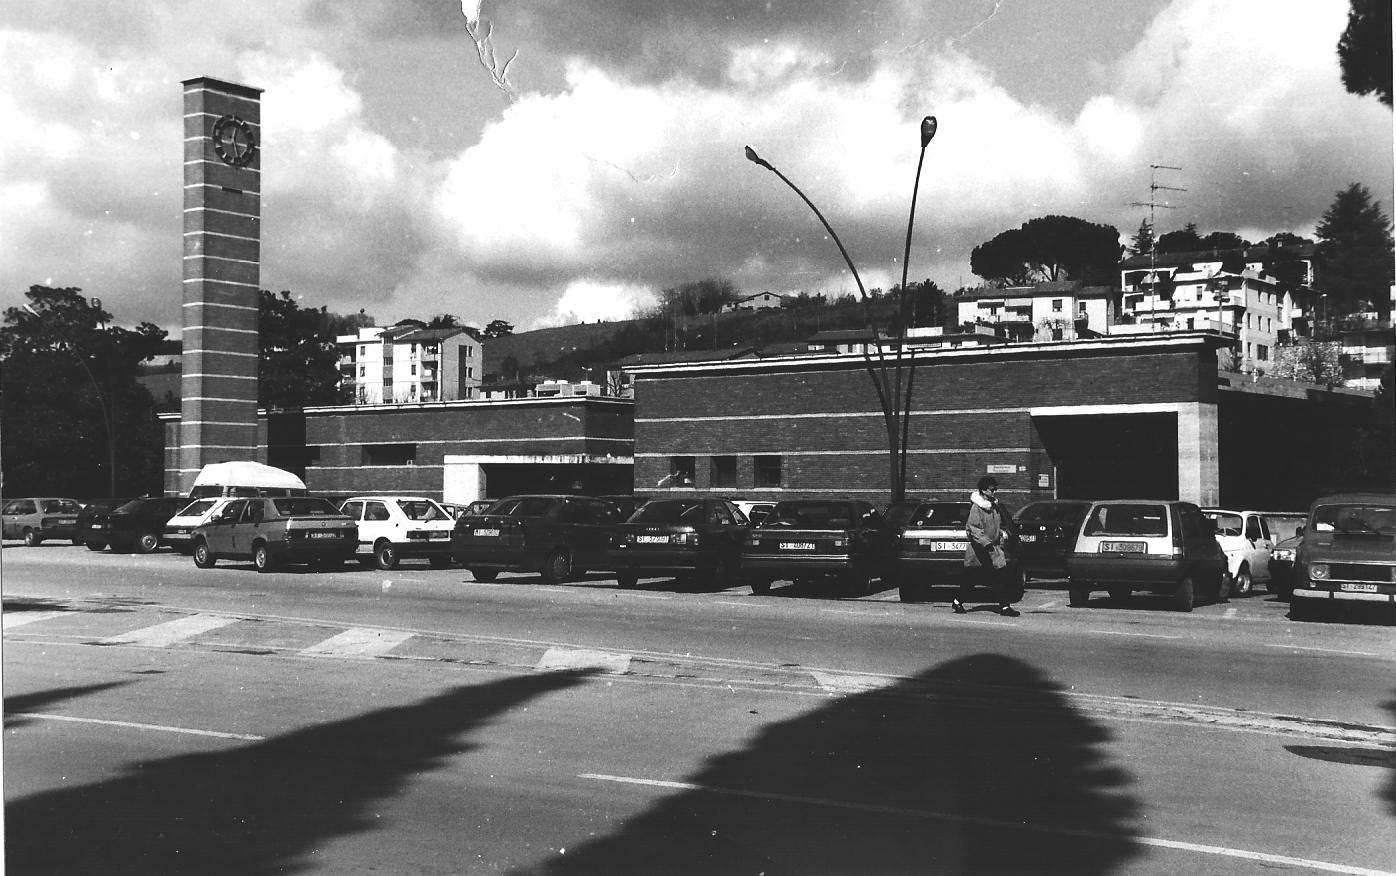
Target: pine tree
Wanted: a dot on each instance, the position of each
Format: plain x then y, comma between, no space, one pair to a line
1355,250
1143,241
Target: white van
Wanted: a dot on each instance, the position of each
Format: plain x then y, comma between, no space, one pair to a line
245,479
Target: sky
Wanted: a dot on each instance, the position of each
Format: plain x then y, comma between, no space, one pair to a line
549,162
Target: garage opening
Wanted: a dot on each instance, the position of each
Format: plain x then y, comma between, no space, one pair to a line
1118,456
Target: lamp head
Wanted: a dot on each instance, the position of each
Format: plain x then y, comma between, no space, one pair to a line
757,159
928,130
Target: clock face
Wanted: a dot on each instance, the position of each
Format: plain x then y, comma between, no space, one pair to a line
233,141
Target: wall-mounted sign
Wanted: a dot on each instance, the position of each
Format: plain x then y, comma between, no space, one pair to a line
1002,469
1044,480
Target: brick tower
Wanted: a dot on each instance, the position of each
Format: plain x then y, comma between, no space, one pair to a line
222,275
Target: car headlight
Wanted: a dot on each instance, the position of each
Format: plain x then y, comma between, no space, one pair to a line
1318,571
1284,556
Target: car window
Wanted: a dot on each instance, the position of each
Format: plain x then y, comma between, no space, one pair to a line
574,511
722,514
376,511
1356,519
667,511
814,514
304,506
940,514
232,511
256,512
1282,526
1227,524
423,509
1137,520
1052,512
197,508
1253,525
353,509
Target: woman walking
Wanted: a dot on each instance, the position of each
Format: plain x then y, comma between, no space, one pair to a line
985,559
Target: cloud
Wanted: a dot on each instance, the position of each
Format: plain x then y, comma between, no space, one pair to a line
593,301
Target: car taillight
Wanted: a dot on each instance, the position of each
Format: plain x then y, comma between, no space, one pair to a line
839,541
752,539
690,539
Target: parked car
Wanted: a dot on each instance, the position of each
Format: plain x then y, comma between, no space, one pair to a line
754,510
138,525
627,503
38,518
1282,565
1283,524
1245,537
393,528
1161,546
1047,532
272,532
179,529
558,536
845,540
681,537
89,515
479,506
930,545
1347,553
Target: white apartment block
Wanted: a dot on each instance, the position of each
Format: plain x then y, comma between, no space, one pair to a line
407,363
1042,312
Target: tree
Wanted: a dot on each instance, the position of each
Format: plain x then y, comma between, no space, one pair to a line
1224,240
1049,248
1364,49
1186,240
1309,361
1283,239
72,403
498,328
348,324
299,363
1143,241
1355,249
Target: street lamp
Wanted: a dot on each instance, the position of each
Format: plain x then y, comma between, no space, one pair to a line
892,396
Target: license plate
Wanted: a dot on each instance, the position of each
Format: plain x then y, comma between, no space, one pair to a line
1123,547
652,539
487,533
1027,539
949,545
96,525
797,545
1360,588
439,534
324,535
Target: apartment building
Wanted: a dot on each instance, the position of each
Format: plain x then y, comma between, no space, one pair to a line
1041,312
408,362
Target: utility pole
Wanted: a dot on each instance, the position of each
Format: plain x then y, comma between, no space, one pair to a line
1153,205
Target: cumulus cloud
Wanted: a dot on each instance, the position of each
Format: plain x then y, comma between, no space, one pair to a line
593,301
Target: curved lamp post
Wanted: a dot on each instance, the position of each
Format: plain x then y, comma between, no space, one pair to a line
893,395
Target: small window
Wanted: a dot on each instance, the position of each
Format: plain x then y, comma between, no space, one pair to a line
724,471
1080,307
767,470
681,472
1056,305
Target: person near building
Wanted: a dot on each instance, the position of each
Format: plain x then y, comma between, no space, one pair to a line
986,559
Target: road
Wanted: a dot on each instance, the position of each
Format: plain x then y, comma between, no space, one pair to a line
165,719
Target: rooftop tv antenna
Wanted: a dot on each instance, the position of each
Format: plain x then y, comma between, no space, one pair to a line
1153,205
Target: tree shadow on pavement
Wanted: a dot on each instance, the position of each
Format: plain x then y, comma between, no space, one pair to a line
979,765
17,706
260,808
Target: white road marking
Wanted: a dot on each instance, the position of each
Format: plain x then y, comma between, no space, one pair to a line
482,584
1156,842
1229,613
743,604
567,658
358,642
170,632
852,684
10,620
188,731
1051,604
650,596
1325,650
1127,633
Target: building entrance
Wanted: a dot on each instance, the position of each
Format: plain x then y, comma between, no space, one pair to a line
1118,456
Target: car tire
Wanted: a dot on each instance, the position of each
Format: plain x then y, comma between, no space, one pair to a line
485,575
626,580
262,558
1243,584
147,542
1078,596
557,568
1184,596
96,545
760,584
203,557
439,561
32,538
1119,595
385,556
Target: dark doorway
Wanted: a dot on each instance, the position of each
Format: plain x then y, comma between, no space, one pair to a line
512,479
1119,456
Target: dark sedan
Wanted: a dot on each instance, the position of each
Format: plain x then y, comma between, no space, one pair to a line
845,540
931,544
680,537
138,525
558,536
1047,533
90,514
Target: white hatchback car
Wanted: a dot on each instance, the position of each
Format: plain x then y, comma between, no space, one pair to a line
1245,537
392,528
179,529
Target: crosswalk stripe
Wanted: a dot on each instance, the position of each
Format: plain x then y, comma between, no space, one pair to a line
566,658
171,632
851,684
358,642
12,620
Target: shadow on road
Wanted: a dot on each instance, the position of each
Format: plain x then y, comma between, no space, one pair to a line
261,808
977,766
17,706
1391,778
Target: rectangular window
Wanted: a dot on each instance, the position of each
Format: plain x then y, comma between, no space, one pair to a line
363,351
681,472
414,369
390,454
767,471
724,471
1262,352
1080,307
1056,305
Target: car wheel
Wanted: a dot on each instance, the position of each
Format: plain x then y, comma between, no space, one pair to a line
760,584
262,558
1242,584
1119,595
1183,596
32,538
147,542
439,561
385,555
1078,595
96,545
626,579
558,567
486,575
203,557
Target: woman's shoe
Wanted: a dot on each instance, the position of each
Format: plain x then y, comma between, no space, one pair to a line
1008,611
957,606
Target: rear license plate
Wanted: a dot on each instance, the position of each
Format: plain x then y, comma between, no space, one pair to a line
96,525
652,539
1027,539
949,545
438,534
487,533
797,545
1360,588
1123,547
324,535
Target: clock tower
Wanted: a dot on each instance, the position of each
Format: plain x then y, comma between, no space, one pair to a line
222,278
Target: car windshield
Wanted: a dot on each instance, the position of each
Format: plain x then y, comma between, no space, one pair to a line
1356,519
815,515
305,506
1227,524
670,511
423,509
951,514
522,506
1138,520
197,508
1053,512
1283,526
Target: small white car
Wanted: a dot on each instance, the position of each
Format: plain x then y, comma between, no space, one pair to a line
179,529
1245,537
392,528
